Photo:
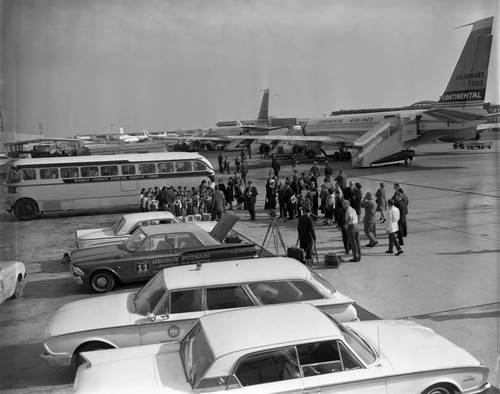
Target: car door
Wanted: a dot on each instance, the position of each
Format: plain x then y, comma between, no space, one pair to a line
174,316
330,367
272,371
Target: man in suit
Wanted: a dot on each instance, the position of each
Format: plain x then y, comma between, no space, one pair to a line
369,219
218,203
307,234
250,195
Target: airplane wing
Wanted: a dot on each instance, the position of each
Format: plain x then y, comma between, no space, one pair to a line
330,139
488,126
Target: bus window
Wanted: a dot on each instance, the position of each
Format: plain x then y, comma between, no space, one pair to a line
49,173
198,166
70,172
109,170
147,168
28,174
128,169
183,166
165,167
90,171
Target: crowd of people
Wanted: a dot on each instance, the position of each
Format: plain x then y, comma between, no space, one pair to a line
315,195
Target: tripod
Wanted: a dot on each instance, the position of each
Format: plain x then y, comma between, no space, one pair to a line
275,235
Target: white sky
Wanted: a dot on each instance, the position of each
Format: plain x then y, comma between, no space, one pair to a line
79,66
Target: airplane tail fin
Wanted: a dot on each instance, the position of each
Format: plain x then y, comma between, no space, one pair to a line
264,108
467,86
239,124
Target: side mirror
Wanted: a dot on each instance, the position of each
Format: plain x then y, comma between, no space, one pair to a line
151,317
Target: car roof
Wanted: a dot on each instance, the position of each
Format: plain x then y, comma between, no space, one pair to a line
175,228
136,217
249,328
234,271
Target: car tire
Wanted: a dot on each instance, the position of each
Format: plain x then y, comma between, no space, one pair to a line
407,161
441,388
17,288
102,281
26,209
88,347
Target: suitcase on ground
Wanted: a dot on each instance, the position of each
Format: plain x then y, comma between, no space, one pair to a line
333,260
296,253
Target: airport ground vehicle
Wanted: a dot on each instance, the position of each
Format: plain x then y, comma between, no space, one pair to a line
294,348
166,308
473,145
121,230
34,186
11,275
405,157
152,248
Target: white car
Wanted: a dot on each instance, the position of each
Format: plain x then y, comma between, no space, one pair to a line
122,228
294,348
11,275
172,302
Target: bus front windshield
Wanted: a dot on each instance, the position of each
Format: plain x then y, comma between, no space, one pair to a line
135,242
12,176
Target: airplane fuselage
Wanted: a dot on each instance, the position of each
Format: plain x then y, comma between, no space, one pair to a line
347,128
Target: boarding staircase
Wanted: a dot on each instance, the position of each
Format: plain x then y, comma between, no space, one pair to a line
233,144
384,140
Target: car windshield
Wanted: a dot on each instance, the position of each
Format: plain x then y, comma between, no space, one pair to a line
196,355
323,283
358,344
148,297
135,241
118,226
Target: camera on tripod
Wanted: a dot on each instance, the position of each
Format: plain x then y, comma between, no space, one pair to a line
272,213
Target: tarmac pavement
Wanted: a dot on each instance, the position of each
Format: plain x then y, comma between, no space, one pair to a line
447,278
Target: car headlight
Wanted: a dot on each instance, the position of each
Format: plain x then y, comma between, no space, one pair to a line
77,271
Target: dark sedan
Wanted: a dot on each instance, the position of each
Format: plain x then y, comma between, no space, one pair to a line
152,248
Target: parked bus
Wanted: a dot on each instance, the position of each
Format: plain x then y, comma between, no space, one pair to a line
34,186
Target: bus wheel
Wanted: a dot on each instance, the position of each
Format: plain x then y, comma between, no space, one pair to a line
102,281
26,209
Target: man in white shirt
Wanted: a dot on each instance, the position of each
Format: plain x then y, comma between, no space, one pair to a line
351,220
392,227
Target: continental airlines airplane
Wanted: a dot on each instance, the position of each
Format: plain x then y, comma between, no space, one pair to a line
375,135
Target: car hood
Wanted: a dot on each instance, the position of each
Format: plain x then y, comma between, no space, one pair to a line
96,253
94,233
159,366
411,347
93,313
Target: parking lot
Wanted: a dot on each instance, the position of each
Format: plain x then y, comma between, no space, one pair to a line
447,279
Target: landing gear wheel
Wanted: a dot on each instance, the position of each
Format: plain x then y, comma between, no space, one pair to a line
26,209
102,281
347,156
407,161
336,156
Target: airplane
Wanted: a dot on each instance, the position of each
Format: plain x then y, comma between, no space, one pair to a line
260,126
160,136
126,138
374,134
